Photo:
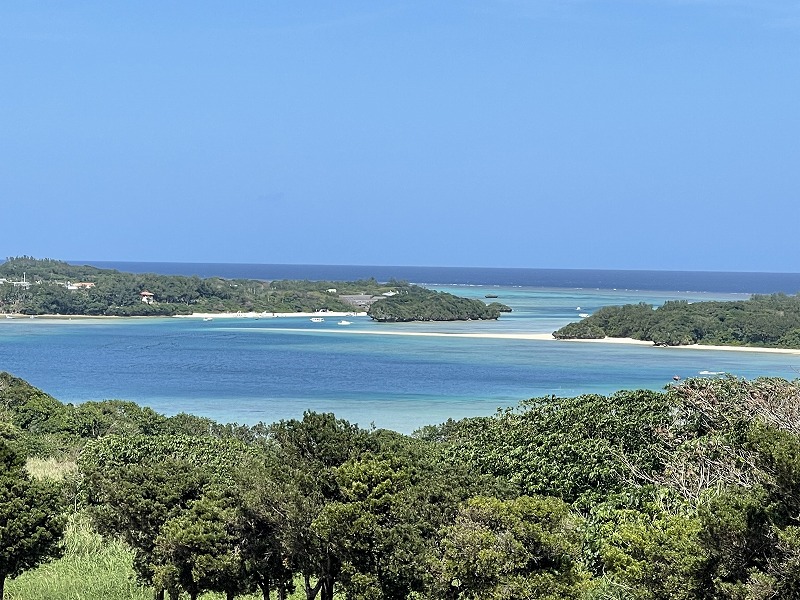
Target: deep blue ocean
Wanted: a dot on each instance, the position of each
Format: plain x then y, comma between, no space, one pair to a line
399,376
706,281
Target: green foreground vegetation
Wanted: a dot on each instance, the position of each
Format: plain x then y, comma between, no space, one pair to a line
688,493
49,287
91,568
771,321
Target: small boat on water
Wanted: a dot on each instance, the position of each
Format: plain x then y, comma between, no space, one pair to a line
343,323
583,315
491,296
208,318
317,319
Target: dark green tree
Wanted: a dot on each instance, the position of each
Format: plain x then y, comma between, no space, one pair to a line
133,502
528,547
313,448
31,518
136,484
199,550
377,527
268,499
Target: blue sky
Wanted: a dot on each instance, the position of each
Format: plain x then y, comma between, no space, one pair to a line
640,134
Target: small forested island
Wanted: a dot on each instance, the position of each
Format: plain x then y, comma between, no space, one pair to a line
33,286
419,304
688,493
767,321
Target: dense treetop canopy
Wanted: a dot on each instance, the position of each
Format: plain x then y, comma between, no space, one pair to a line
770,321
692,492
418,304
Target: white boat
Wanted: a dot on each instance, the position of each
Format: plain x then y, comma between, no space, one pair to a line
208,318
343,323
317,319
583,315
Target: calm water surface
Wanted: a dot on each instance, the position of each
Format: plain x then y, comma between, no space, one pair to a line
249,370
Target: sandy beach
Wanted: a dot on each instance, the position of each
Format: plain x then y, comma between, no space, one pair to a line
206,316
21,317
689,347
633,342
548,337
739,349
269,315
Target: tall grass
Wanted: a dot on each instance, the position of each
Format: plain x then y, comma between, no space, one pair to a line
92,568
51,468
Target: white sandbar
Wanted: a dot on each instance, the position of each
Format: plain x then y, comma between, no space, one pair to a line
532,336
269,315
548,337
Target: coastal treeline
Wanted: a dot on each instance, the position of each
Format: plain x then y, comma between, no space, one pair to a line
43,286
33,286
688,493
769,321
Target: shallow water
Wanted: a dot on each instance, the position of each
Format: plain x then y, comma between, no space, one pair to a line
249,370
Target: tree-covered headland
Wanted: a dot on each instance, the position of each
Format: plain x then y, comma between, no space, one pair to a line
42,286
692,492
768,321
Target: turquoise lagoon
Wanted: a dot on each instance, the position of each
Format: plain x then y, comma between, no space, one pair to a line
251,370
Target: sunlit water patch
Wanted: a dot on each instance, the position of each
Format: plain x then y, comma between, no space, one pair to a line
393,375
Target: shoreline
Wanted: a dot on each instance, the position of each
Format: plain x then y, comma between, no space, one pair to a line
689,346
269,315
227,315
548,337
528,336
21,317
